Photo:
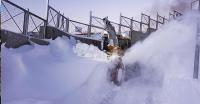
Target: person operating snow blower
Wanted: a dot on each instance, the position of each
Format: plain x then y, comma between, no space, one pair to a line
112,36
116,67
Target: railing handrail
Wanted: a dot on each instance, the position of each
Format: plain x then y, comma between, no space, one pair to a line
25,10
15,5
148,23
28,16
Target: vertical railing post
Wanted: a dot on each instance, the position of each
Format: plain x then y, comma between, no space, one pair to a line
131,32
197,49
120,24
45,29
26,22
47,15
163,20
141,22
149,24
157,21
157,17
141,26
58,20
47,19
62,22
90,24
47,10
156,25
67,25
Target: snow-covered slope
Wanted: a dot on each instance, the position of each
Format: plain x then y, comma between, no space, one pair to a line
68,73
46,72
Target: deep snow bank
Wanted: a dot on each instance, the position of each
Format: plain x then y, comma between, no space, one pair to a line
31,74
90,51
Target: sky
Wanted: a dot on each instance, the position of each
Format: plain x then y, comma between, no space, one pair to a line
79,9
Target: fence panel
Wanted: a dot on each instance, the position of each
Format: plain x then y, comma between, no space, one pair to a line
12,17
19,20
145,19
136,25
34,25
160,25
144,28
52,17
153,24
77,27
97,22
125,21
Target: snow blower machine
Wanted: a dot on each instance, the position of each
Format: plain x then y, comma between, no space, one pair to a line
115,52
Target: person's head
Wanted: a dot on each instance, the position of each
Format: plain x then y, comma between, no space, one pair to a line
105,20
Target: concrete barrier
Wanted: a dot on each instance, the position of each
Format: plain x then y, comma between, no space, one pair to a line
15,40
53,33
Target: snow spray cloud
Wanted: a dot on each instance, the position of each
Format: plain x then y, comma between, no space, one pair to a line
168,54
181,5
163,7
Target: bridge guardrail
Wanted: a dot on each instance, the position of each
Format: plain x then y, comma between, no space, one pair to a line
58,20
19,20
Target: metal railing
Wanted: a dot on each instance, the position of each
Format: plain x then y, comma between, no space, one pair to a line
174,14
119,28
17,19
146,22
133,24
59,21
160,21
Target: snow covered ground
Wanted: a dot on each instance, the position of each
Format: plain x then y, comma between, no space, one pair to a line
68,73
